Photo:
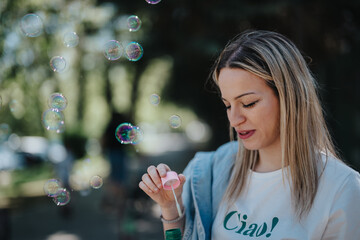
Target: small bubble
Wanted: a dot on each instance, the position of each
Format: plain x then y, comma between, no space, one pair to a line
133,23
58,101
96,182
154,99
58,64
175,121
134,51
113,50
62,198
14,105
153,1
31,25
71,39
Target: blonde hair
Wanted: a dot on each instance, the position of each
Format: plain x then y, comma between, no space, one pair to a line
303,131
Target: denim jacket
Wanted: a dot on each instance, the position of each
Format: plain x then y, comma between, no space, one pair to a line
207,176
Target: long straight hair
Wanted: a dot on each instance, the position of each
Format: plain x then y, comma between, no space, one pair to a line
303,131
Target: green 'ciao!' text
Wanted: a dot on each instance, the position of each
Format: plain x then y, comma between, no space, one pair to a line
252,230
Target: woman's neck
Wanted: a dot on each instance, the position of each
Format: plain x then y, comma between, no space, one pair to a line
269,159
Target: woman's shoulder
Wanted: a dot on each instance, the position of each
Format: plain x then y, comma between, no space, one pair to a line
227,149
337,173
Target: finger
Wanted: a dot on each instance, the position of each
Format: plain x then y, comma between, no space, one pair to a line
145,188
155,177
182,178
162,169
149,183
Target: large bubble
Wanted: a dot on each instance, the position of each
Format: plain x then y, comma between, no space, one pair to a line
31,25
53,119
133,23
58,101
62,198
113,50
58,64
134,51
71,39
52,187
126,133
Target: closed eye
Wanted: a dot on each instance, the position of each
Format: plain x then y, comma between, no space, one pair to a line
250,104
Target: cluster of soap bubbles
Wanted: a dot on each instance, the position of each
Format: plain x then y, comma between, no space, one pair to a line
113,50
126,133
32,26
54,189
53,119
133,51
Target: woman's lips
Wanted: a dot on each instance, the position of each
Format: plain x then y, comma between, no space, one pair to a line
245,134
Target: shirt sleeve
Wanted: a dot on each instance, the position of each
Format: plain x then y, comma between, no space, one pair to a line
344,219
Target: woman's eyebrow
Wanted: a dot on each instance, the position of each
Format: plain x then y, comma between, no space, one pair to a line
241,95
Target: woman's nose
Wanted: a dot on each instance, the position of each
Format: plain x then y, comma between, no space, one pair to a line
236,117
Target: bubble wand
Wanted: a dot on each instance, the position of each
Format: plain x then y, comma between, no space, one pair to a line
170,182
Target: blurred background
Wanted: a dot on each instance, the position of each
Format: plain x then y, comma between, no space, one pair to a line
161,91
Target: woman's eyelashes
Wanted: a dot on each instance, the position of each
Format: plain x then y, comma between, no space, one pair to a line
250,105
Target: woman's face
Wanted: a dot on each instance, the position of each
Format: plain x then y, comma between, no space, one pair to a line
252,108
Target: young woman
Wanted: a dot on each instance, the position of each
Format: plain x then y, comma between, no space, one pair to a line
282,178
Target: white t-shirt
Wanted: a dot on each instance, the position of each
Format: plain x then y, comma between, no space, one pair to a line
265,211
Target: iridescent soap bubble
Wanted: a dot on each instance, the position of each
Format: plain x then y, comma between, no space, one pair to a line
62,198
31,25
175,121
153,1
96,182
133,23
138,135
154,99
113,50
125,133
134,51
71,39
52,187
58,64
58,101
52,119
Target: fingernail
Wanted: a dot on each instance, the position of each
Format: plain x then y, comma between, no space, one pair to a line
155,190
159,185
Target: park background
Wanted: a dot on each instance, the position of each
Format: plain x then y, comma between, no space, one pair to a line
181,39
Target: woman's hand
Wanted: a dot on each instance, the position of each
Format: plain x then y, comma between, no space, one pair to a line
152,186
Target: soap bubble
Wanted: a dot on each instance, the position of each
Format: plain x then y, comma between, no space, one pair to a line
58,101
71,39
58,64
154,99
125,133
175,121
31,25
52,119
52,187
134,51
62,198
113,50
0,102
4,131
133,23
153,1
96,182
